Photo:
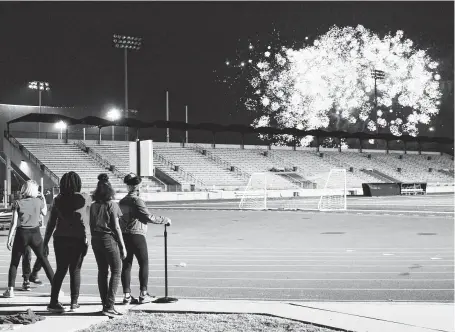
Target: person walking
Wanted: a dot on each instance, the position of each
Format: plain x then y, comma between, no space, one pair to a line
25,222
31,275
134,229
67,223
107,242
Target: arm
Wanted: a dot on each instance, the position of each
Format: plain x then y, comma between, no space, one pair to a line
12,229
51,223
43,205
144,215
114,217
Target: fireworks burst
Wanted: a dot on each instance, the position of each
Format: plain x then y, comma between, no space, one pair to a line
328,83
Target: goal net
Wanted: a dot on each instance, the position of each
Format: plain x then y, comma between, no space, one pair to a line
333,196
255,195
266,191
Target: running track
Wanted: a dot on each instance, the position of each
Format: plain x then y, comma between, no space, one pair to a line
375,251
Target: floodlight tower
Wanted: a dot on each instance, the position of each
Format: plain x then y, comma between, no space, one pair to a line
127,43
40,86
377,75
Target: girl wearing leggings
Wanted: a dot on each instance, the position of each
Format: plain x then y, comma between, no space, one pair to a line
134,228
67,222
107,242
26,219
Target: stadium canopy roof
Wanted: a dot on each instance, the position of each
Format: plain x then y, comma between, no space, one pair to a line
213,127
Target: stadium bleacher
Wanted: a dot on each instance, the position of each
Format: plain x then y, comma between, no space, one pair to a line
188,166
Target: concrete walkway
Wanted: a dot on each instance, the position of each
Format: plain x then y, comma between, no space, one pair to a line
348,316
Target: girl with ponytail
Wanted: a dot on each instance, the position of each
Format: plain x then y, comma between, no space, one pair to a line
107,242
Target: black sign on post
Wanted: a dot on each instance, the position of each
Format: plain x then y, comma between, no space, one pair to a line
138,157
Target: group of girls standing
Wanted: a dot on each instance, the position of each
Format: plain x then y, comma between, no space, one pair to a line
118,233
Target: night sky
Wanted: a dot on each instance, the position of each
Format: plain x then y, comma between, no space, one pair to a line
184,43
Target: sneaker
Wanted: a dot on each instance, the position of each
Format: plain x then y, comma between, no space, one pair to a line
111,312
75,306
26,286
8,293
35,280
127,299
58,308
147,298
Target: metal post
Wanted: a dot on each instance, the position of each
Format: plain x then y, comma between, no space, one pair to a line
165,299
186,121
126,92
113,132
167,115
39,103
5,194
138,157
376,105
83,132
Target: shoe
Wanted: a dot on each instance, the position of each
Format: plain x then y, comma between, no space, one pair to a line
35,280
57,308
74,306
147,298
111,312
127,299
26,286
8,293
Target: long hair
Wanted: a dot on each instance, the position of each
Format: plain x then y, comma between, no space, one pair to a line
70,183
104,191
29,189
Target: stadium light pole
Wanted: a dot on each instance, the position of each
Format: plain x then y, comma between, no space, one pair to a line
186,121
377,75
113,115
127,43
40,86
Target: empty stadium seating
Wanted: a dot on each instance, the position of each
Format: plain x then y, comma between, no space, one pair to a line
188,167
117,154
61,158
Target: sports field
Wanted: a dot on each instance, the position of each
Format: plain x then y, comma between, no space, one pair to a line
380,249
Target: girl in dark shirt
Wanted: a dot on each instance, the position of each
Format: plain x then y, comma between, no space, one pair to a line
107,242
69,217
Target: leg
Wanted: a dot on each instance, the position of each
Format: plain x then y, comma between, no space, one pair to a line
36,244
26,263
103,267
36,268
115,264
61,257
127,264
143,260
75,268
19,244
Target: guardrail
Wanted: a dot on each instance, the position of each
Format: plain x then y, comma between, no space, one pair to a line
30,156
187,176
100,160
220,161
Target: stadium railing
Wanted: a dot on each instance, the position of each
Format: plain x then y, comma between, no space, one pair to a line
55,179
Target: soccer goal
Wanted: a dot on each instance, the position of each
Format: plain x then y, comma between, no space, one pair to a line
255,195
266,191
333,197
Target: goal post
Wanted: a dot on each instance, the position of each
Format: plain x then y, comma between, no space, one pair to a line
255,195
266,191
333,196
